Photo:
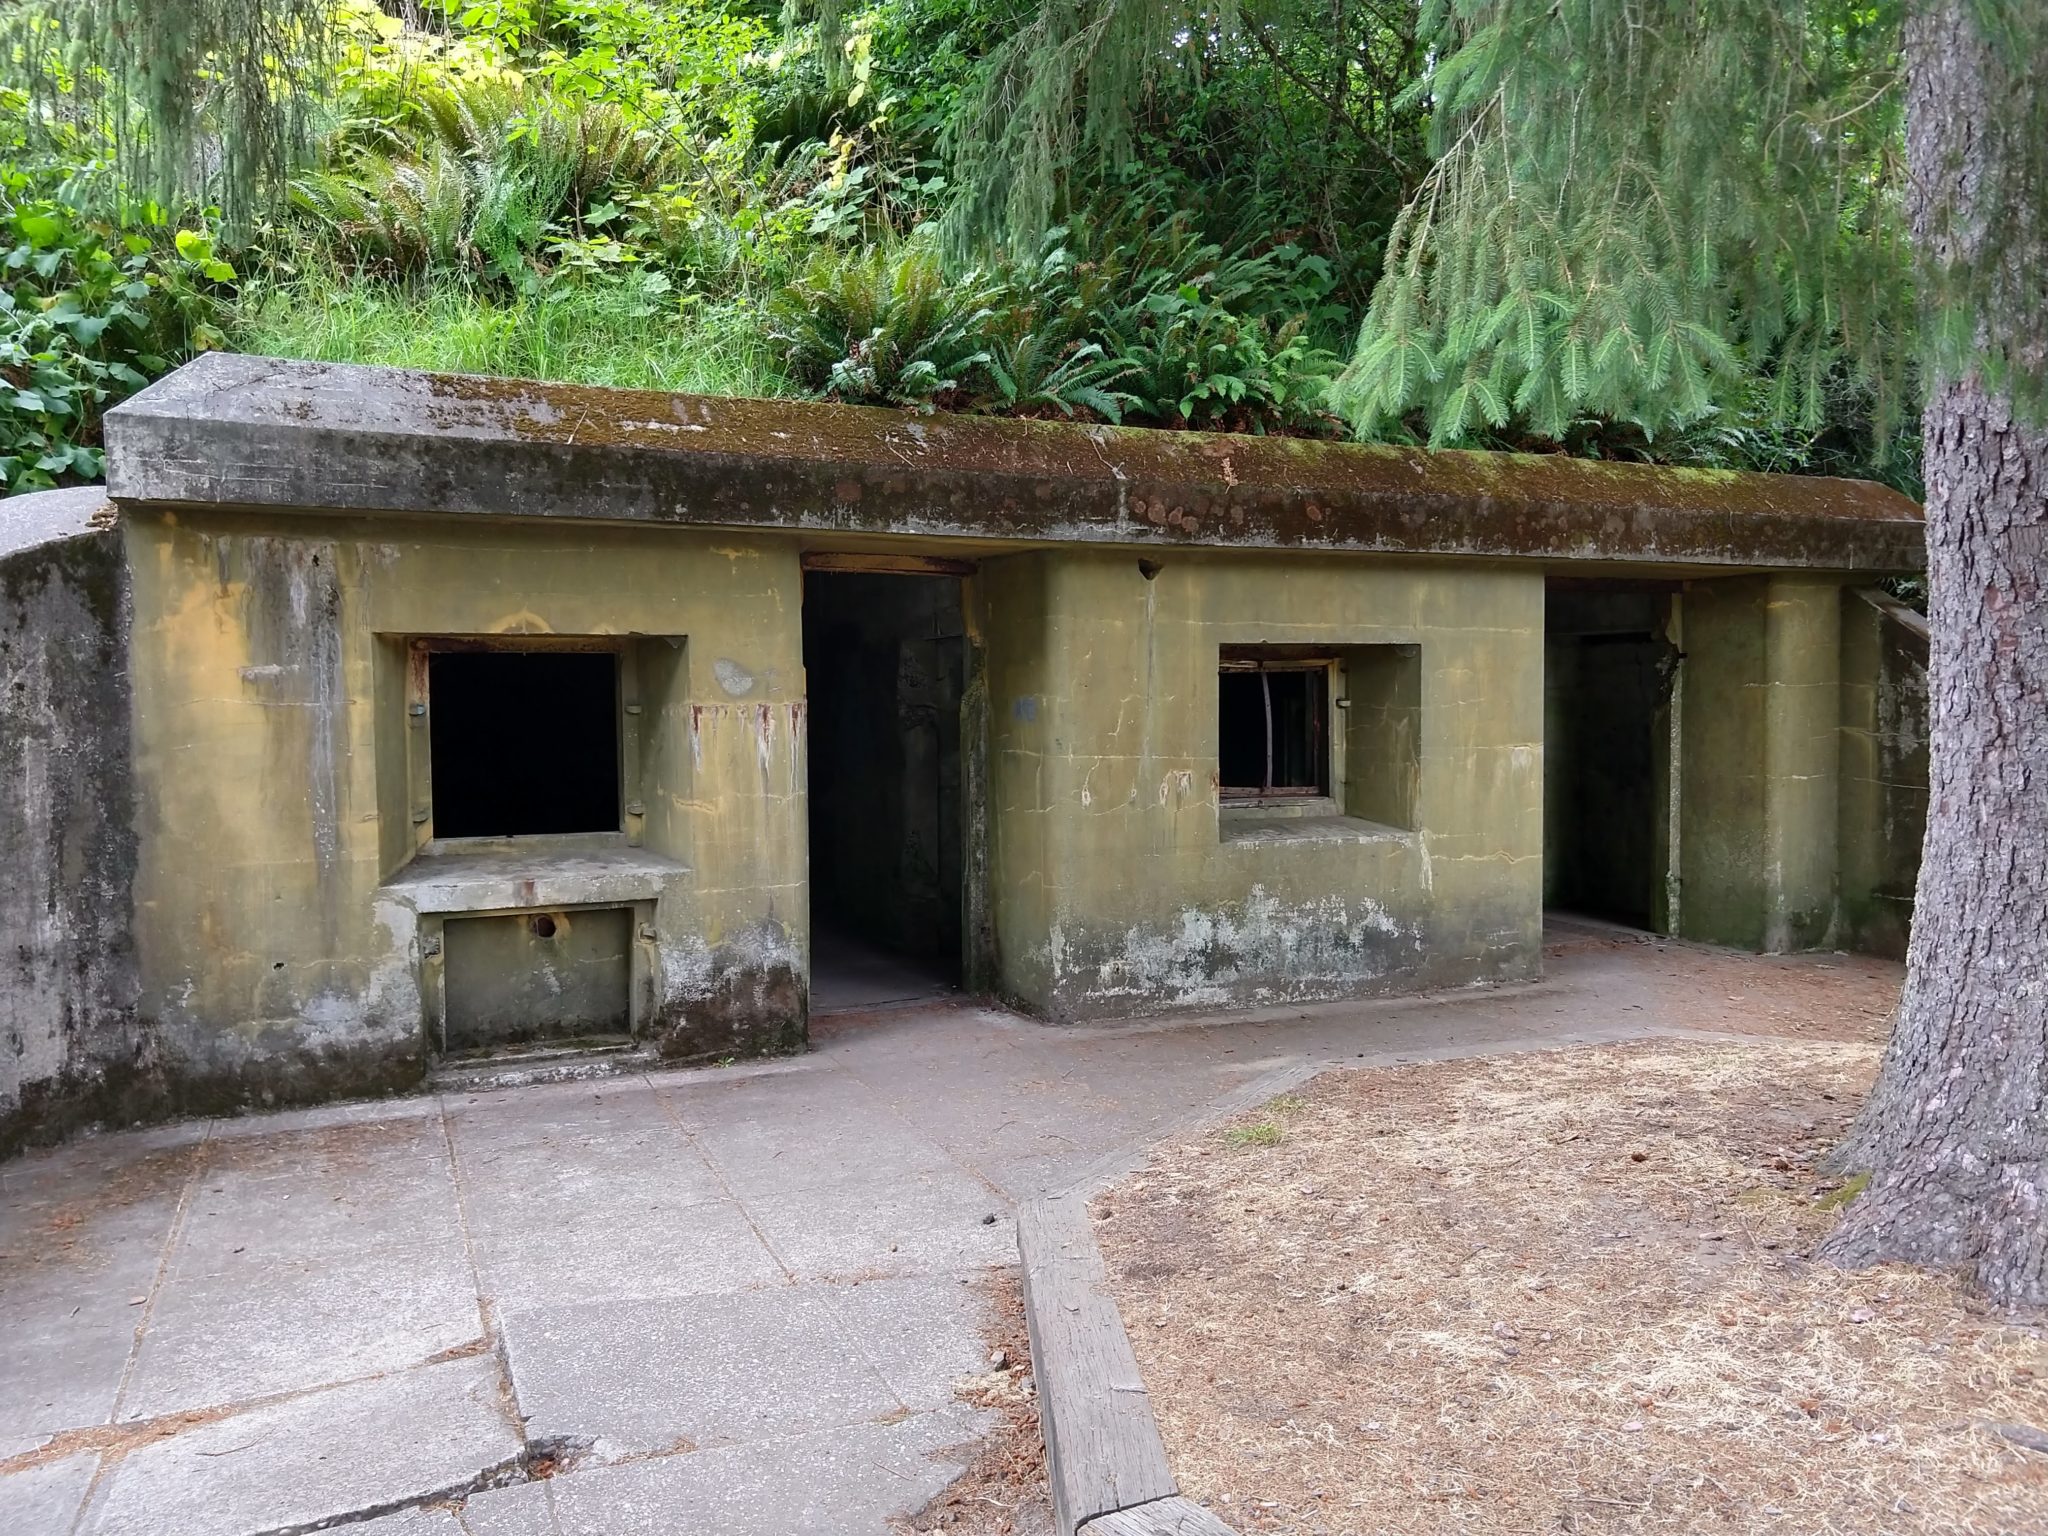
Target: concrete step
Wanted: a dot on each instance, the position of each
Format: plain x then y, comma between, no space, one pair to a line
551,1061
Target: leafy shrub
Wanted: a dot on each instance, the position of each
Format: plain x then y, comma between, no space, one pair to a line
1163,330
1035,372
482,173
885,327
1223,341
89,313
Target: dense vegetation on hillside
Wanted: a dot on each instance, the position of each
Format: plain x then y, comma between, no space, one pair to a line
915,203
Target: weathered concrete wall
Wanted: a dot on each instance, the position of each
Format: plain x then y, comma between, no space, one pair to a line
1759,828
1721,847
1802,717
1884,770
278,793
1122,886
70,1048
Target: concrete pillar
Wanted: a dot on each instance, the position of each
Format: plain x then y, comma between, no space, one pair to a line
1802,759
1761,777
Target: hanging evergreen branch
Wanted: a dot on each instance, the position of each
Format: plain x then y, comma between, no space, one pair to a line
1641,208
1062,88
195,101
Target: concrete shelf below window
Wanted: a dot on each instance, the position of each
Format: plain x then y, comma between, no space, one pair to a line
507,877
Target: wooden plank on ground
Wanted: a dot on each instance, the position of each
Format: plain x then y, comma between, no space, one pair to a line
1162,1517
1102,1447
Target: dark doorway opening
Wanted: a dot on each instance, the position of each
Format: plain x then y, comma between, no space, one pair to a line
523,743
885,666
1608,674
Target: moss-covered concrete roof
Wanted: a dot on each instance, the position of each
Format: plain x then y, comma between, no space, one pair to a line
251,432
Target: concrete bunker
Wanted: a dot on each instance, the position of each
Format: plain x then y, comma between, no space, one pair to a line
378,717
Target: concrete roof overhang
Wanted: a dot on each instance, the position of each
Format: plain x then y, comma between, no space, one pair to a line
258,433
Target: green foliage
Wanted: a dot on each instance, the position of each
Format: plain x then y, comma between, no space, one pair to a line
447,159
195,102
1146,326
1214,341
497,177
1678,238
1063,84
887,328
89,313
1283,121
681,67
1668,216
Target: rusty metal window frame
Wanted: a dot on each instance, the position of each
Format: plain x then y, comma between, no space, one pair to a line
1266,662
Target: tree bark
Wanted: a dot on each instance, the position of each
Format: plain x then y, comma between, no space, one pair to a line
1955,1134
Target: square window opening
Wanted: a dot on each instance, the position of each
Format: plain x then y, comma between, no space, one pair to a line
523,743
1273,728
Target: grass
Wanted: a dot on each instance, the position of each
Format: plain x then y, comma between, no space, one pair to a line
1269,1132
595,333
1261,1133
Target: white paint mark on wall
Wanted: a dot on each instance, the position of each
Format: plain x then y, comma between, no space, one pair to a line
735,679
1264,948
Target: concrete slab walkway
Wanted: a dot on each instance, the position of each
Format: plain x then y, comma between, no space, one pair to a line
721,1301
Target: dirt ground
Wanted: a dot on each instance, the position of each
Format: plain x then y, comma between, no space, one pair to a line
1570,1293
1801,997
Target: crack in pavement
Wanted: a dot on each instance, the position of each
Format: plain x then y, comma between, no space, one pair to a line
505,1474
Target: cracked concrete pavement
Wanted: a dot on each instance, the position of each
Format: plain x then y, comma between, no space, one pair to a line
717,1301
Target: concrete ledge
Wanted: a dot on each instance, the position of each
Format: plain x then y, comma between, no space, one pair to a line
49,517
508,879
258,432
1910,620
1103,1455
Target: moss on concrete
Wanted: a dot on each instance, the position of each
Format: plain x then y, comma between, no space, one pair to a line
260,432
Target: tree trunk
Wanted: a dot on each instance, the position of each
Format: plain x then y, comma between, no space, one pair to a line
1955,1135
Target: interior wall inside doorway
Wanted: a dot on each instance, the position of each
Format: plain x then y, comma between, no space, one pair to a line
1608,668
885,665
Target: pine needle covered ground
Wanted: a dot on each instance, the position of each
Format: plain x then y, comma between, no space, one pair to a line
1568,1292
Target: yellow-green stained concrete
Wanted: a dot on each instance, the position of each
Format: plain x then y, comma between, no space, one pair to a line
1120,884
282,785
1761,753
